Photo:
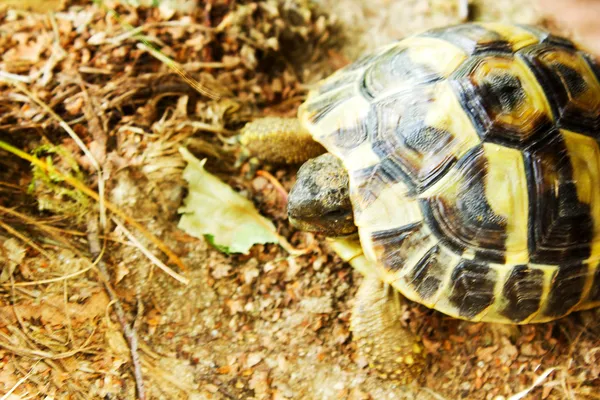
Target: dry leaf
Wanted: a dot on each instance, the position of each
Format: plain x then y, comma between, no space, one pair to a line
215,211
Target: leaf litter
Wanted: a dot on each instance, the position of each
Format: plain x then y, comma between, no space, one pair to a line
213,210
85,310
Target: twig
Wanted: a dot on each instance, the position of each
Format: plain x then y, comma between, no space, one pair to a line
276,184
429,391
31,341
19,383
54,231
25,239
537,382
151,256
57,55
175,67
53,280
93,112
14,77
67,313
204,127
51,231
129,331
44,354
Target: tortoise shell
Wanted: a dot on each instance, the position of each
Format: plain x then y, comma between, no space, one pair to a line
474,166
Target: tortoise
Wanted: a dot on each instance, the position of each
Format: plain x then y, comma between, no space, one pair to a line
461,168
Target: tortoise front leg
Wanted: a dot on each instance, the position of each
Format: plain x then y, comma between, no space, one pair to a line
279,141
389,347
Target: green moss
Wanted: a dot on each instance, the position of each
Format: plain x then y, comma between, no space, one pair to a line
49,188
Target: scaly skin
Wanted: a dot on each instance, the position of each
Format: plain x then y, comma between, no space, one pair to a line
320,202
390,348
279,141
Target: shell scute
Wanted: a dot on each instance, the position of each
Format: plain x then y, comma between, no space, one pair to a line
561,225
571,85
567,289
480,207
505,102
409,63
474,168
472,288
523,291
594,295
472,38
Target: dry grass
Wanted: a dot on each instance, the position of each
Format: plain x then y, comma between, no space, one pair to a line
72,83
102,297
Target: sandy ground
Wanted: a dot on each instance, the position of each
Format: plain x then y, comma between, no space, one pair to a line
268,325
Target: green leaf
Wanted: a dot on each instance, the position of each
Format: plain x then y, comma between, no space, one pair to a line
211,240
215,211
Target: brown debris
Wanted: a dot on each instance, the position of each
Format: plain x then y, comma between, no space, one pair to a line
268,325
51,311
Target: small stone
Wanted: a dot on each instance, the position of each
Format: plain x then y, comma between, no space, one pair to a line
293,269
282,363
317,305
221,270
417,349
253,359
485,354
357,394
318,263
528,350
235,306
225,369
250,274
277,395
284,391
260,384
259,183
340,333
211,388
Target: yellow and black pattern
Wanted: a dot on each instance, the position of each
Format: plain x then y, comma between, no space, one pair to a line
474,162
571,85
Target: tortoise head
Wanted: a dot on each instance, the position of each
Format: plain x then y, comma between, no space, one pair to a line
320,201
